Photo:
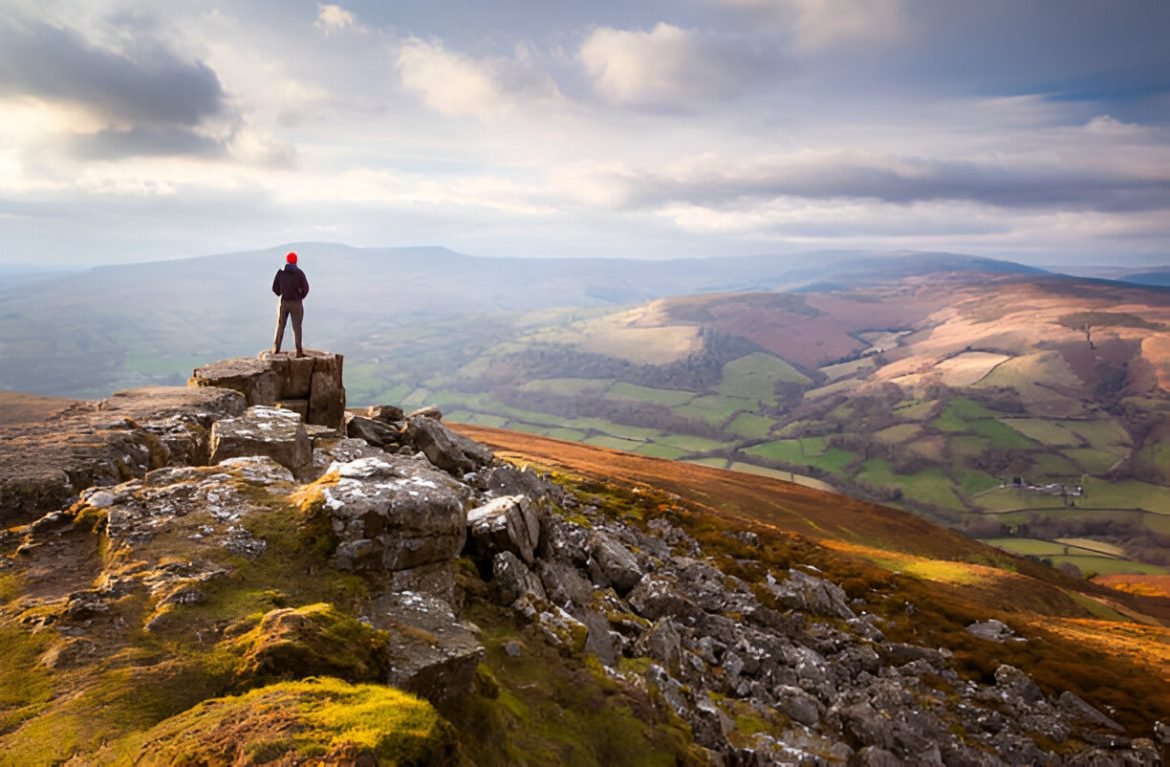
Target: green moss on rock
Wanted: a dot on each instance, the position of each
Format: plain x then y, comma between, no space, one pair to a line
312,721
316,639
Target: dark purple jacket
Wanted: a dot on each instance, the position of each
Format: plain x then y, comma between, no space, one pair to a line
290,283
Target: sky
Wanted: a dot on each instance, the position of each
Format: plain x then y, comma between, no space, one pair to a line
1032,130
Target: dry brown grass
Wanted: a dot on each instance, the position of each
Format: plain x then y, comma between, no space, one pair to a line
18,408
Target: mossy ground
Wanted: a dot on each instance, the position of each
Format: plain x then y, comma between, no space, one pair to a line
145,661
316,718
543,706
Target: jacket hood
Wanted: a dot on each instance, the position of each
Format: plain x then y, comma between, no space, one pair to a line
290,267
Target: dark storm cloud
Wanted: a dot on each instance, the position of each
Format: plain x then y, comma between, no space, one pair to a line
144,142
906,182
149,84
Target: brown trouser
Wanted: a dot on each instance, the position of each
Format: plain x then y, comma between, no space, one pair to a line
289,308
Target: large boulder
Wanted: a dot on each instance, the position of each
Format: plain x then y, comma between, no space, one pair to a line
311,385
612,564
375,432
513,580
449,451
508,524
268,431
394,513
801,591
254,378
431,653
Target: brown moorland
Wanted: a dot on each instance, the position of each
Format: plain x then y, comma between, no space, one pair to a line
20,408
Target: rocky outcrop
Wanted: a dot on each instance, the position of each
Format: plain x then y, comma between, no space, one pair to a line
268,431
311,386
821,672
509,523
394,513
431,653
43,466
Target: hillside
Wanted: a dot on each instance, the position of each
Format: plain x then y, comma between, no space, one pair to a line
409,597
1034,412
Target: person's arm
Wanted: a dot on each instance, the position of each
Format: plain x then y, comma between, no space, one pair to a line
276,283
304,285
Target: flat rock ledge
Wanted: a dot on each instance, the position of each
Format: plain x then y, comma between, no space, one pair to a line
311,385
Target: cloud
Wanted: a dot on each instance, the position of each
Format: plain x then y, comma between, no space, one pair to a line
454,84
1022,183
333,17
821,24
144,84
144,141
670,66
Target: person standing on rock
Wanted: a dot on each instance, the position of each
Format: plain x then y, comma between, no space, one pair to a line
291,284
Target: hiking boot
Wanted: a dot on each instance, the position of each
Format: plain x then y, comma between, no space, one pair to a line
300,353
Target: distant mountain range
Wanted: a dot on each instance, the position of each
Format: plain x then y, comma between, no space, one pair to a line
88,333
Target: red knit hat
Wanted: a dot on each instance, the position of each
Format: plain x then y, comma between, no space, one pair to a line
291,258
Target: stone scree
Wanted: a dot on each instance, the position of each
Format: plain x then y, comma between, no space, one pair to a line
309,385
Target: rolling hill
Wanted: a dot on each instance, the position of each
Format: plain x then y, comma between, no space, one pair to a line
1030,411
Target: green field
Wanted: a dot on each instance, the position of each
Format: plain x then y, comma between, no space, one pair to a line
1159,523
569,387
615,443
1129,494
915,410
971,483
967,446
1013,499
837,387
1051,433
1002,435
481,419
1053,467
931,486
656,450
665,397
755,376
877,472
1029,546
1091,565
785,450
715,409
807,451
1085,559
689,444
622,431
1091,460
750,426
896,434
1104,435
